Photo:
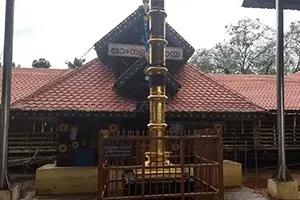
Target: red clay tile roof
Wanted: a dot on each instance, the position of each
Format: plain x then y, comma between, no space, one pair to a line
199,92
295,74
27,80
91,89
87,89
261,89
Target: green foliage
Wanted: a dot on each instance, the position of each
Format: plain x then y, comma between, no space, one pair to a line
215,60
41,63
76,63
250,48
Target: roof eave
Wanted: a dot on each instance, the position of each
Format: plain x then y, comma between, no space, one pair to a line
219,111
70,113
269,5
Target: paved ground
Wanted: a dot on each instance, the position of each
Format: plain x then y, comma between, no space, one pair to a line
65,198
245,193
230,194
251,180
233,194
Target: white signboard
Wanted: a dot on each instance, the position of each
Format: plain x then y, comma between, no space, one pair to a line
137,51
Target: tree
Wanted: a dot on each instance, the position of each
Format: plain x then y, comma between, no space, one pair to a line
76,63
251,41
204,60
41,63
292,48
249,48
216,60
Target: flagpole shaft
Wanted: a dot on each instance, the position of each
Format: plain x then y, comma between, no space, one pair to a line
6,90
280,90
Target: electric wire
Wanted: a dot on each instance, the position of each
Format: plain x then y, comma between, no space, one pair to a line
81,57
30,158
86,52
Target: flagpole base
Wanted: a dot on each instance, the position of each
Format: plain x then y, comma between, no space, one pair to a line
158,166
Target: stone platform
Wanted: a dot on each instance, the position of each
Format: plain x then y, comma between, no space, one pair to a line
283,190
232,174
12,194
52,180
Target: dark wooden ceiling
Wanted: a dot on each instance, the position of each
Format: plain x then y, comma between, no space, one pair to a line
288,4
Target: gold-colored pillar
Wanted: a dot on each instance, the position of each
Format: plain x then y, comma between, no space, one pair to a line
157,157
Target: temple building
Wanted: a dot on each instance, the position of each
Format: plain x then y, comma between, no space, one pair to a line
70,107
110,92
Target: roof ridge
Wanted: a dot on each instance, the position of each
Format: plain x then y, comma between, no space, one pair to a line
225,87
20,68
253,75
53,82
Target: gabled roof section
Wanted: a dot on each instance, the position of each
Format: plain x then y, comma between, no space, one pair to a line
130,24
200,92
86,89
176,39
122,50
26,81
288,4
261,89
139,67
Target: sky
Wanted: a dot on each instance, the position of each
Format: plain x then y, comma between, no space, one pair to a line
61,30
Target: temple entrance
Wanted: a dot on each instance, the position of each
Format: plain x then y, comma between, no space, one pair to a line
195,171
